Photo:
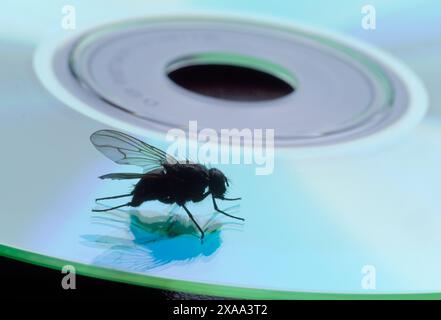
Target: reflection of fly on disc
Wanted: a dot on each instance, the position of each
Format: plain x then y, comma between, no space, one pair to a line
355,171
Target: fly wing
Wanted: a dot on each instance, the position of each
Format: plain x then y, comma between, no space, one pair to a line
125,149
122,176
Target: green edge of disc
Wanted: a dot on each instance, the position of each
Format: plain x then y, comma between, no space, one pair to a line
196,287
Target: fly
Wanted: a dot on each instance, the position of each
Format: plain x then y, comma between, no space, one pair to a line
164,179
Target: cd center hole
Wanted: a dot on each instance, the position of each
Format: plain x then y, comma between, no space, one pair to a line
231,77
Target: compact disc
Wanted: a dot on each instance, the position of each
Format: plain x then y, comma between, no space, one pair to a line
352,193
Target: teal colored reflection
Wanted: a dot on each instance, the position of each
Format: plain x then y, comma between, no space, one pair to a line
158,240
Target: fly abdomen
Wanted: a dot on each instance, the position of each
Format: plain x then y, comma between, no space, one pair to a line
154,186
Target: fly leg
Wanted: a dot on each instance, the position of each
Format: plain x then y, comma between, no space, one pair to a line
115,197
205,195
229,215
230,199
194,221
108,209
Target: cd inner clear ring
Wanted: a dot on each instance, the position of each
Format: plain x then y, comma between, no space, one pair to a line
342,93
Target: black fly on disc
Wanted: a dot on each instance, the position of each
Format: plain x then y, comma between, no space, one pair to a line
165,178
